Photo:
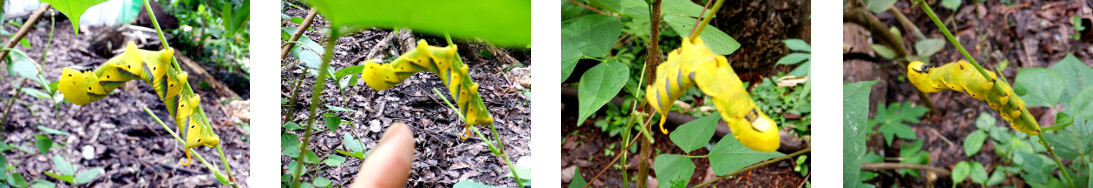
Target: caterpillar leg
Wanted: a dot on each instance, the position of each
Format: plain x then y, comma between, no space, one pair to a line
466,132
188,159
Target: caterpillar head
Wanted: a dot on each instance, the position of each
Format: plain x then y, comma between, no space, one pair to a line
919,74
757,131
375,74
73,84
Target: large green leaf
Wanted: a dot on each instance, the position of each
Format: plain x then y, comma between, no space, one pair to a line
855,112
1065,144
891,120
73,9
1077,74
1082,104
1039,86
88,175
973,142
730,155
598,85
501,22
640,9
570,56
928,47
961,171
797,45
673,170
62,166
695,134
592,35
718,41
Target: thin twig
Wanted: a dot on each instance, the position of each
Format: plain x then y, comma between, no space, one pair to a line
299,31
30,23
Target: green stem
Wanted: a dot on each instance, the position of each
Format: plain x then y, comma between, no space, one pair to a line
764,163
317,90
706,20
997,85
212,168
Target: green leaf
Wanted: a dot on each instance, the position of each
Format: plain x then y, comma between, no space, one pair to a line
1082,105
794,58
88,175
674,170
928,47
973,142
308,51
592,35
289,139
961,171
292,169
578,181
951,4
1077,74
291,151
598,85
799,45
913,154
1041,86
978,173
1065,144
1062,121
291,126
570,56
334,160
332,122
35,93
507,22
695,134
891,120
352,70
469,183
43,143
63,166
23,66
352,143
310,157
855,113
73,9
19,180
801,71
878,6
884,51
65,178
730,155
52,131
321,182
997,177
985,121
717,40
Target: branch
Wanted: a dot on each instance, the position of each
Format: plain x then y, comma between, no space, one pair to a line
299,31
23,31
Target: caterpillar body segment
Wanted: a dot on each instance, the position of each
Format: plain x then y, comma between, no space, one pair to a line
695,64
439,60
962,76
82,86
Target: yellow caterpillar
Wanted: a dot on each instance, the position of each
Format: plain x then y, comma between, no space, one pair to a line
439,60
963,77
694,63
83,85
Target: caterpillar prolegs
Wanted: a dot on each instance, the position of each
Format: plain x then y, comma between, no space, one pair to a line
695,63
82,85
439,60
963,77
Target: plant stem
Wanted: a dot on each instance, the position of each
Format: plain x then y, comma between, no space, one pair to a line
317,90
764,163
997,85
706,21
52,24
23,31
215,171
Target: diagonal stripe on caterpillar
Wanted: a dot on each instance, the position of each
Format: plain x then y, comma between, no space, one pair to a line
83,85
439,60
962,77
694,63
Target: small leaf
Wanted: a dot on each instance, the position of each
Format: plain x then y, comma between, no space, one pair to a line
52,131
928,47
332,122
63,166
730,155
292,169
961,171
469,183
799,45
973,142
88,175
322,182
695,134
310,157
44,143
794,58
291,126
674,170
985,121
878,6
598,85
997,177
951,4
352,143
978,173
291,151
578,181
334,160
1082,104
289,139
884,51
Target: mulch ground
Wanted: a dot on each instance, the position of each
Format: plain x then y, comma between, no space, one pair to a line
1027,34
441,158
114,133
